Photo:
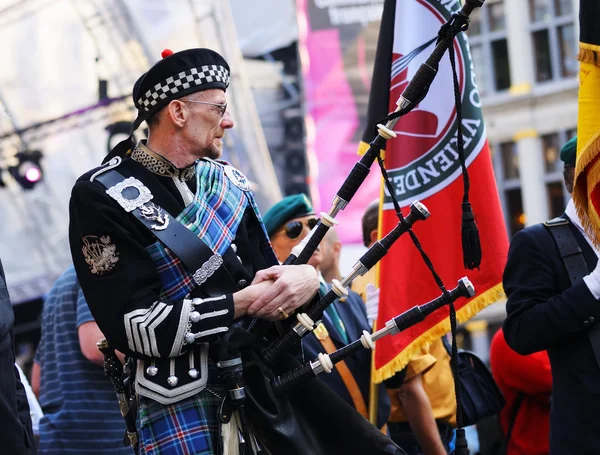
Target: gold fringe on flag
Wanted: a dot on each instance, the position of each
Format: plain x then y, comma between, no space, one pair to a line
587,168
589,53
465,313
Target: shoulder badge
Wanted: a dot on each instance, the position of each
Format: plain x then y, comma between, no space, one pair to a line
237,178
99,253
321,332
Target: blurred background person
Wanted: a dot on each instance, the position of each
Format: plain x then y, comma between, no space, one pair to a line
331,248
369,224
35,410
553,306
287,223
16,434
423,415
526,383
81,412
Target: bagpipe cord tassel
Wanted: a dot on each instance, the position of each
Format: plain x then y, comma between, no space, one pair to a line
471,244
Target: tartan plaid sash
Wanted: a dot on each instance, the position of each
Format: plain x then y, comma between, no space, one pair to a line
214,215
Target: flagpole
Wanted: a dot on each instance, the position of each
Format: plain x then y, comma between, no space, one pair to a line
373,389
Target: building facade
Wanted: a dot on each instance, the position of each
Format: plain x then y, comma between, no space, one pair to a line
524,55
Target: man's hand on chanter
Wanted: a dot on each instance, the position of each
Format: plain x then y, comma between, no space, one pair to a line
294,285
247,296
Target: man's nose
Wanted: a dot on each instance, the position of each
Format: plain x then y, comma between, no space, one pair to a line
227,120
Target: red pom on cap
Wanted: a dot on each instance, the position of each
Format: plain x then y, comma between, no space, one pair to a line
166,53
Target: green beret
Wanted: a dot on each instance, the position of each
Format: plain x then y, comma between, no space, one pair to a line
287,209
569,152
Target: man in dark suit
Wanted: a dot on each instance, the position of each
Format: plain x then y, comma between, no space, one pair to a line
16,435
287,223
546,312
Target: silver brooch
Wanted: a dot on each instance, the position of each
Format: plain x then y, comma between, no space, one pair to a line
154,213
116,192
237,178
207,269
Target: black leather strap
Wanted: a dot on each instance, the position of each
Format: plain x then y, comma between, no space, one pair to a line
568,249
186,245
575,265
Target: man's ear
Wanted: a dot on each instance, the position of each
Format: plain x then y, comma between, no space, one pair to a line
177,113
337,248
373,236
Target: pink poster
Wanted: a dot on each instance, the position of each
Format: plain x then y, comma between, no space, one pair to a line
337,42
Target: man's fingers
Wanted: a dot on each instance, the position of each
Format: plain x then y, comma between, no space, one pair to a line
288,301
272,273
260,277
293,286
280,300
273,291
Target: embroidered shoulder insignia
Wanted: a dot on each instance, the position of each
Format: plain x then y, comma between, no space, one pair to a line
237,178
99,253
321,332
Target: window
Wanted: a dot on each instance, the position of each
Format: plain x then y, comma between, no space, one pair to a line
510,160
489,48
479,65
541,48
568,52
551,150
514,211
556,198
496,16
500,58
539,10
563,7
554,39
506,167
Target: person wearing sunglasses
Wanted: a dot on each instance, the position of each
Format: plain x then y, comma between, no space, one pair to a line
288,222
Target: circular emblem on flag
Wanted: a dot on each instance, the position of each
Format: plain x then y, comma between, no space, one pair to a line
237,178
423,159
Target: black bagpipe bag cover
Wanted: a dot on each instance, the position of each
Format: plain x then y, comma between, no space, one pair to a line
310,419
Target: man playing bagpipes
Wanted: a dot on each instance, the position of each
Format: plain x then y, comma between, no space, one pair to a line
149,304
166,241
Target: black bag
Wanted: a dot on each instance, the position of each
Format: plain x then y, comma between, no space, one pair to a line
480,396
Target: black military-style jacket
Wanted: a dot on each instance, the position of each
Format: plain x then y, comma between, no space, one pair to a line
122,285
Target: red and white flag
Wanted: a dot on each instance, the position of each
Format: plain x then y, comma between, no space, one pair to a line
423,165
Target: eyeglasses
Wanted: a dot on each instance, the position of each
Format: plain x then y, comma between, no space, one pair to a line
221,108
293,229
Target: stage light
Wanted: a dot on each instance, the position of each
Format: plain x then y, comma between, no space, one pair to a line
28,170
33,174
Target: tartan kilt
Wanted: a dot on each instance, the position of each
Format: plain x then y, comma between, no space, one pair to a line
189,427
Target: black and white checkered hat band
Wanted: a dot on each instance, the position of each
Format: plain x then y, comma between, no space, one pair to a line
182,81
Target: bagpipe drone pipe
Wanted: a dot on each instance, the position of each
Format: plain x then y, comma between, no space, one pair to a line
324,363
255,355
